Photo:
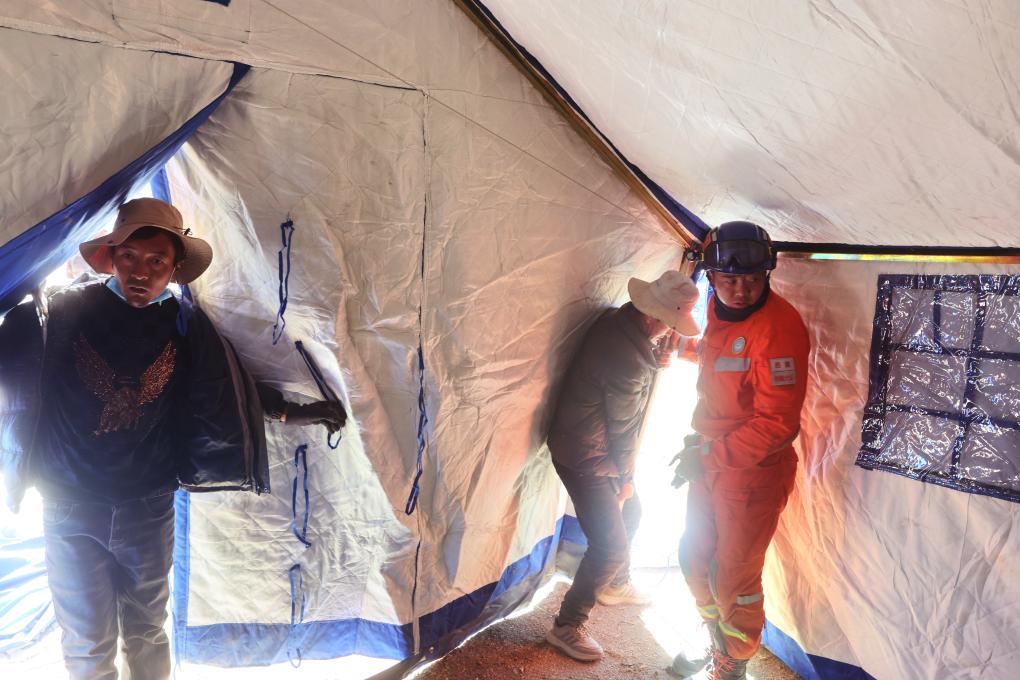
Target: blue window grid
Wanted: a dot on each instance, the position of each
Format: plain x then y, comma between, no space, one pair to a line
882,350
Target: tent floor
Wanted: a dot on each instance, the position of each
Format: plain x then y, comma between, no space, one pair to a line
639,641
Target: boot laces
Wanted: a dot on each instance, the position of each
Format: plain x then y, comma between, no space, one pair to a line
722,663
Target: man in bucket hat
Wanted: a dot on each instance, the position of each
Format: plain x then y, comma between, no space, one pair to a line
113,406
595,438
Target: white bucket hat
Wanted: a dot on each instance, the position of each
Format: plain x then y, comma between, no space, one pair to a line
670,299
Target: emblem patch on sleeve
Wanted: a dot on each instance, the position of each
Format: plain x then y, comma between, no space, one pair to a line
783,371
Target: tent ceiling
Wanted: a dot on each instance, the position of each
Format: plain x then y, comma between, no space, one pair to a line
839,121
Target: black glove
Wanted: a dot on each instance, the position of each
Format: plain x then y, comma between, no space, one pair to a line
688,462
328,413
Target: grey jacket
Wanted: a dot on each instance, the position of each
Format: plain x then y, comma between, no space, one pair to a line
601,408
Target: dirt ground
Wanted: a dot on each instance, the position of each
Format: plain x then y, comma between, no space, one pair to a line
639,641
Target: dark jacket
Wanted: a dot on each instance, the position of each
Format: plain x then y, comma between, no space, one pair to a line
219,434
600,412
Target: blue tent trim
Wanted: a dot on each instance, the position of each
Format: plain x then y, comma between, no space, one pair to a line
28,258
808,666
572,531
248,644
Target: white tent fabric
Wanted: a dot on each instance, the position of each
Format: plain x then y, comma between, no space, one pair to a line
848,121
439,201
74,113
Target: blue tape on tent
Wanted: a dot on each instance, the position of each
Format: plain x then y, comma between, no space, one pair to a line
808,666
28,258
256,644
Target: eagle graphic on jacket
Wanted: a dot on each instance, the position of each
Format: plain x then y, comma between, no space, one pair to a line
122,402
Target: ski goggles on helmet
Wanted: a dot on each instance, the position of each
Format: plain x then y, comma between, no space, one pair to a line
748,253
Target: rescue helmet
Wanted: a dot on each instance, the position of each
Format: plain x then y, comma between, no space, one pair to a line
738,248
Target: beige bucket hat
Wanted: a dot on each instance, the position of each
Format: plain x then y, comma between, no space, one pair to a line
149,212
669,298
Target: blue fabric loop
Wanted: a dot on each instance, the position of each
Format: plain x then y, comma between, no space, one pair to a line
325,390
287,236
297,611
300,462
423,421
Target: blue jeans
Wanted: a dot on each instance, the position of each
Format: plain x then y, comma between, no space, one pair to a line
107,567
609,532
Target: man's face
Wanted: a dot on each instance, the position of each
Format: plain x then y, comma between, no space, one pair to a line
737,291
143,268
653,328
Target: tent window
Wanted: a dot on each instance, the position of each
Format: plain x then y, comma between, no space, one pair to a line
944,397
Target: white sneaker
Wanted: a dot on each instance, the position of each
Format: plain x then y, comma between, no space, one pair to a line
575,642
622,594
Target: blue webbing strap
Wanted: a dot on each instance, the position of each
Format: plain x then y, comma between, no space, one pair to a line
423,420
287,236
324,389
297,592
300,461
297,611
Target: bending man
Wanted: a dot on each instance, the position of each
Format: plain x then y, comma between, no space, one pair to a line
594,441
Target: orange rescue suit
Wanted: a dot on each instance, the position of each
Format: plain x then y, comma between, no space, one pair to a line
751,387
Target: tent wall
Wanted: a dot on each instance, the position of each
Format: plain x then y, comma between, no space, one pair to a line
75,113
441,206
900,578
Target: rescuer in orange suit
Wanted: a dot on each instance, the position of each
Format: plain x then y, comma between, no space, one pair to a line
741,463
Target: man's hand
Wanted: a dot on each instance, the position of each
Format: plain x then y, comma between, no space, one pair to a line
626,491
688,462
328,413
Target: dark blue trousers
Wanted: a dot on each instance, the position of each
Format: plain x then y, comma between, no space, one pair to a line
107,567
609,531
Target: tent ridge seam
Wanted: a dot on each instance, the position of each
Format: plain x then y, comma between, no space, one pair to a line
204,55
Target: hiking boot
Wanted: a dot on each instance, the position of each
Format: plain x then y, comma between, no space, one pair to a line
722,666
625,593
575,642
